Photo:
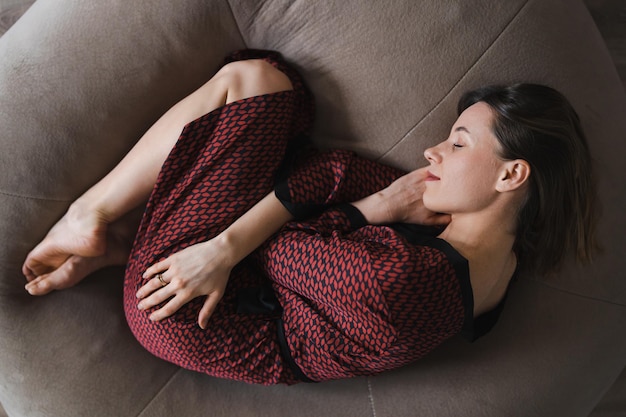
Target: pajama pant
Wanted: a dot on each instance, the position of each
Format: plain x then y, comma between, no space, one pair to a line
222,164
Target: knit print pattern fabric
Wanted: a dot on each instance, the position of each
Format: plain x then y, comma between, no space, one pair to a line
360,300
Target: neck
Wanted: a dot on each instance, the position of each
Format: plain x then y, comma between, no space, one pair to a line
481,235
487,243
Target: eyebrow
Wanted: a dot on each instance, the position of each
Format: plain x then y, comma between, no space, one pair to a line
462,129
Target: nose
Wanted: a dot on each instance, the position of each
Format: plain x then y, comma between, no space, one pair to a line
432,155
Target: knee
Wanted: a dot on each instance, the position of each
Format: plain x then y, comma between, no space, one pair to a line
251,78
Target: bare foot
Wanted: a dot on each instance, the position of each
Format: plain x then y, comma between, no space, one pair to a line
78,233
77,267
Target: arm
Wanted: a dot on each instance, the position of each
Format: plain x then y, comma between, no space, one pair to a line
337,237
382,193
327,178
253,228
204,268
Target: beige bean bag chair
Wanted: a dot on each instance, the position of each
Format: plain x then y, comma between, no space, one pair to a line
81,80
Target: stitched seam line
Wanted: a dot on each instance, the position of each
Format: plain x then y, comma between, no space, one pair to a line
158,393
465,75
370,395
586,297
29,197
243,39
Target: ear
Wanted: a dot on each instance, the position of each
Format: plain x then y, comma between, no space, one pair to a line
514,175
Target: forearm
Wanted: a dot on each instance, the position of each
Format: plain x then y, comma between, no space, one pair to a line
375,209
324,179
253,228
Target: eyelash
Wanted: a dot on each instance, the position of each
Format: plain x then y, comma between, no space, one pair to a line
456,145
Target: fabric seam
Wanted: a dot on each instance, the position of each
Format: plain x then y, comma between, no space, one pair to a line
28,197
464,76
156,395
586,297
243,39
370,395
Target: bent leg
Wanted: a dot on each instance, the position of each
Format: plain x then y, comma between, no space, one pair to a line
224,163
138,171
84,230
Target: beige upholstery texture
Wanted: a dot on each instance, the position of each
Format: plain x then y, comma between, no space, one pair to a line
79,84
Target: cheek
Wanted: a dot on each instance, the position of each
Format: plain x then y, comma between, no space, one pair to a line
477,173
476,183
466,188
476,186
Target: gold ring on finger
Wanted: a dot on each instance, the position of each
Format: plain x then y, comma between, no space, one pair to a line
160,277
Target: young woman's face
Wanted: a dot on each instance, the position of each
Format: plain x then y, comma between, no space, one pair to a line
464,169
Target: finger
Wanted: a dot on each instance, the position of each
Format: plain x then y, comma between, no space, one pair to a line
420,173
210,304
149,287
156,297
440,219
156,268
170,308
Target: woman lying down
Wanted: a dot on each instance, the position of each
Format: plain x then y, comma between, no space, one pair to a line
260,259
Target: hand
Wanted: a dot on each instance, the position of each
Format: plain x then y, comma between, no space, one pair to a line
401,202
201,269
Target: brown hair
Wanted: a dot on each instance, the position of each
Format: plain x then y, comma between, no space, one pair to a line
538,124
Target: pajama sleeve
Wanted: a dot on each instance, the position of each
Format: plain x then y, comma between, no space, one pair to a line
324,179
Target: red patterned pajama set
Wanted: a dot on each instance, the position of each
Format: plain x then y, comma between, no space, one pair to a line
326,297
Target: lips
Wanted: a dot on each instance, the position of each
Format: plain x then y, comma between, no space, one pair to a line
431,177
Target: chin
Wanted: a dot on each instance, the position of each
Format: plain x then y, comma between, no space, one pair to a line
431,205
